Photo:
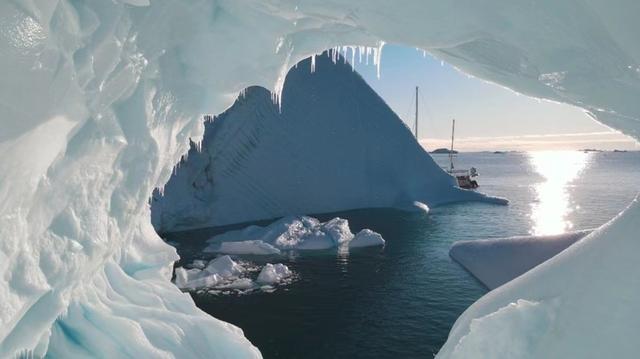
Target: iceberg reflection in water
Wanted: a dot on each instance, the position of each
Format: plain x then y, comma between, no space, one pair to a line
559,169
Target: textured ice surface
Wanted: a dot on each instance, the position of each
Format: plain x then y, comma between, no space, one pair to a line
293,232
99,98
332,144
497,261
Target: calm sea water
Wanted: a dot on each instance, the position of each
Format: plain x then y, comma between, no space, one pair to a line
401,301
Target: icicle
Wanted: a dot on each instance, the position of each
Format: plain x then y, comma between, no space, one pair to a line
377,57
276,97
353,58
197,145
313,64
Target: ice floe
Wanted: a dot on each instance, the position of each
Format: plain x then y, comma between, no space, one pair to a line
223,274
293,233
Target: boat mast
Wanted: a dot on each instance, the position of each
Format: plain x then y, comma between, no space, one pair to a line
416,122
453,129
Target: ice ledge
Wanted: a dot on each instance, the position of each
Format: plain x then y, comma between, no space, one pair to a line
497,261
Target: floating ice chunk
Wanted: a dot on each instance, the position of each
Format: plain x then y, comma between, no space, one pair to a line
225,267
223,275
293,232
218,272
253,247
366,238
273,273
240,284
195,278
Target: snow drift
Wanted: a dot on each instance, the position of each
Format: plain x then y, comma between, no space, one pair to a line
99,99
331,145
497,261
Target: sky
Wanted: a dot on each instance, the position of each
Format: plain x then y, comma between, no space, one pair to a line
488,116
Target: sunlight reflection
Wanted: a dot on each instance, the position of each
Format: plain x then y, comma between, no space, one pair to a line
550,214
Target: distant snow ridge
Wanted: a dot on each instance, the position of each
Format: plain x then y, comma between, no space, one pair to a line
293,233
334,145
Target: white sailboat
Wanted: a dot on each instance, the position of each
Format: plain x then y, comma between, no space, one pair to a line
466,178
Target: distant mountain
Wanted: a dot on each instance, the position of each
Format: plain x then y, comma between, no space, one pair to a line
334,145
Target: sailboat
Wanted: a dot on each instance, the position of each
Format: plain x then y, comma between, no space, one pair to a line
467,179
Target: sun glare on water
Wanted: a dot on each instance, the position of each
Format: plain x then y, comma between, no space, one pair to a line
559,169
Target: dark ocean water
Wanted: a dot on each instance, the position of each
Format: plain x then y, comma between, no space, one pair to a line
400,301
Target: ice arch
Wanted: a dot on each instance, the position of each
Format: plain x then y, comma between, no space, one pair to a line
99,98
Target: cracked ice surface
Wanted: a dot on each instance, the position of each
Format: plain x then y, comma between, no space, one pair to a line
99,98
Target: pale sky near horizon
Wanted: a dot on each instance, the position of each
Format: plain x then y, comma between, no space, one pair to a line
488,116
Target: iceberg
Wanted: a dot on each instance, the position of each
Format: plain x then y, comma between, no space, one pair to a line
293,233
498,261
331,144
100,98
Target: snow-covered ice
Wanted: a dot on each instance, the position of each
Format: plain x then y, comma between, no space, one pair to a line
497,261
99,99
293,232
332,145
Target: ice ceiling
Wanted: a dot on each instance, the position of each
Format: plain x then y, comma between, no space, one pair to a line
99,98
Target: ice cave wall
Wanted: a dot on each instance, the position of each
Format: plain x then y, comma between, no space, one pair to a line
99,99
